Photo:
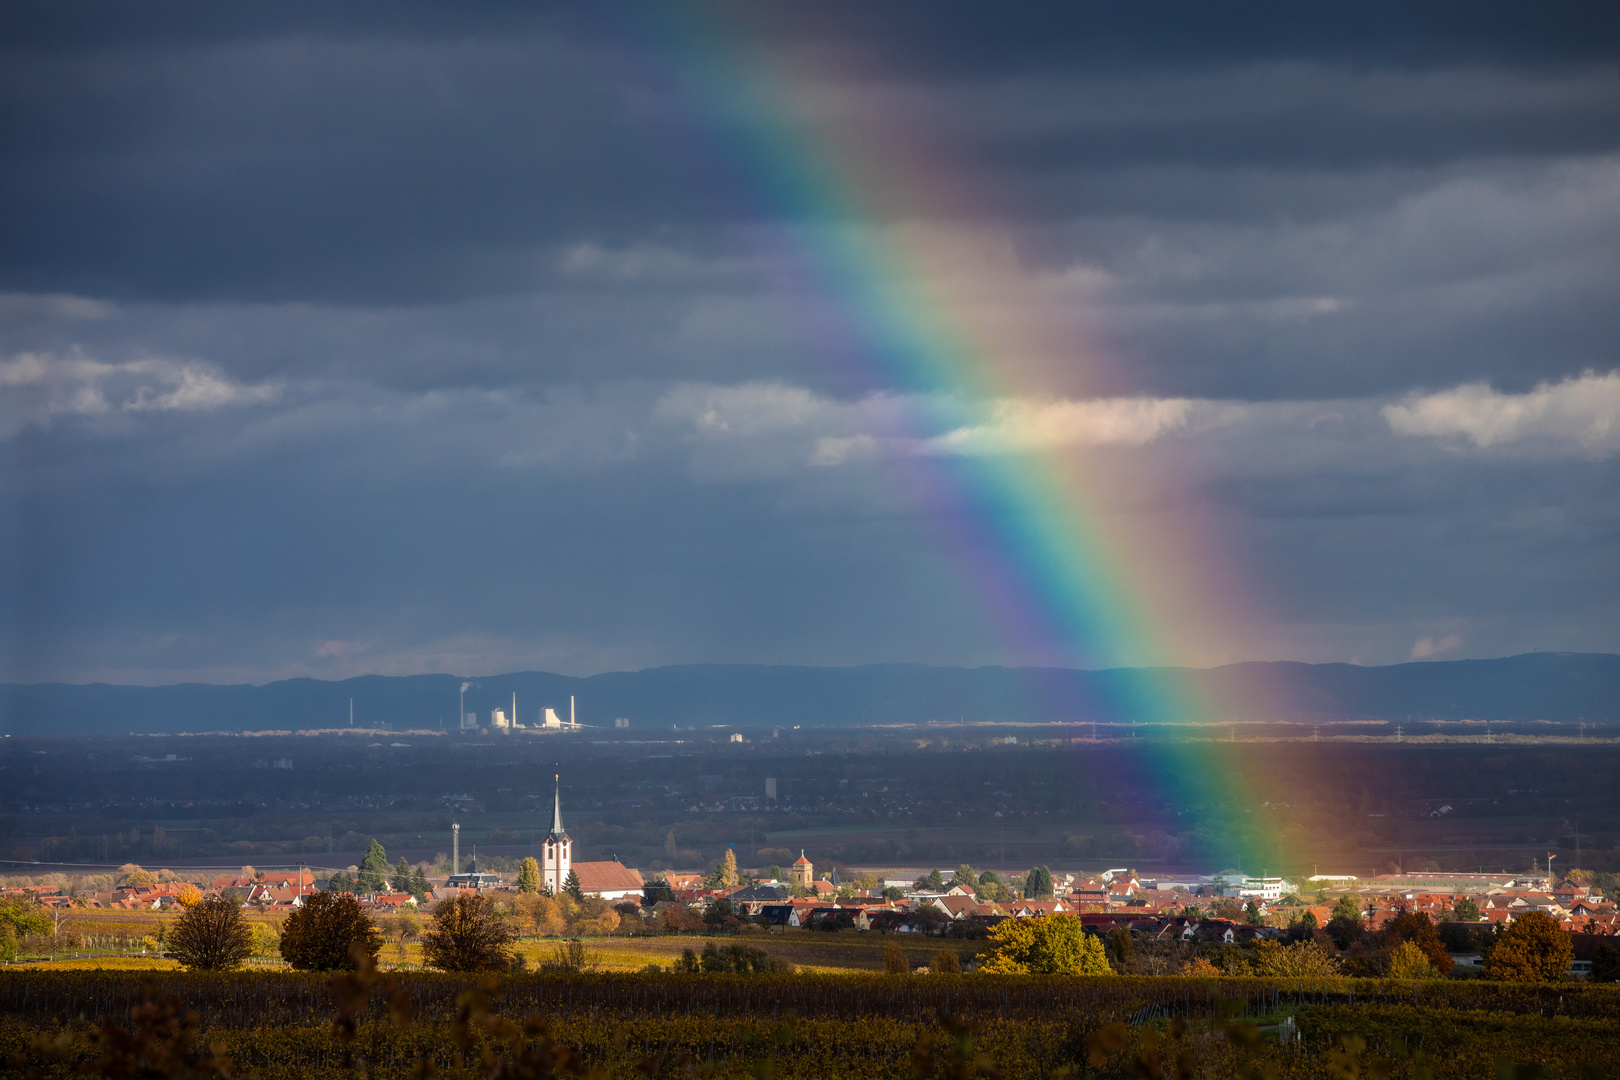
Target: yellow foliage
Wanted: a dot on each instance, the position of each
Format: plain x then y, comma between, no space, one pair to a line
1302,959
1045,945
541,915
1407,961
1534,948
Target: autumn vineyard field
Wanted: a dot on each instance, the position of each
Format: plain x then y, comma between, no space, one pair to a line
281,1025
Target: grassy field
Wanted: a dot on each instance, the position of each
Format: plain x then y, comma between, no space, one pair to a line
115,940
96,963
810,951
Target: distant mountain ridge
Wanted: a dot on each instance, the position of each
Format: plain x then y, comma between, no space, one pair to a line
1532,686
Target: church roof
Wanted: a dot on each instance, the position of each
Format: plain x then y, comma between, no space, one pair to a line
596,877
801,860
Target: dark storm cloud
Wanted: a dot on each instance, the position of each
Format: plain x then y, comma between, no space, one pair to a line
381,155
404,337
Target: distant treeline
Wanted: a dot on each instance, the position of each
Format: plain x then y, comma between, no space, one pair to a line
1562,687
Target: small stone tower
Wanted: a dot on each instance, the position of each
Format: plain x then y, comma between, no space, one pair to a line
803,872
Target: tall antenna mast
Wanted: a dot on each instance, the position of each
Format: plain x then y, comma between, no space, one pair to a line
455,847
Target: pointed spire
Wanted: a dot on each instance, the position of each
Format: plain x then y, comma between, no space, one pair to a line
557,830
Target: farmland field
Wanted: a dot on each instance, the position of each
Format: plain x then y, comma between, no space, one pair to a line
280,1024
102,937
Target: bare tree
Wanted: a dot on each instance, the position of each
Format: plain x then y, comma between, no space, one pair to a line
468,934
212,936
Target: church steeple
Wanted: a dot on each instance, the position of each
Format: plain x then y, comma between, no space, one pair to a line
557,830
556,851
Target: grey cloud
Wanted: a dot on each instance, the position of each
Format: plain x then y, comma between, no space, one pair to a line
641,524
305,160
360,337
1506,273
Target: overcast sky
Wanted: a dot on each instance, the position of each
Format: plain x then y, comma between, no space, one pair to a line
344,338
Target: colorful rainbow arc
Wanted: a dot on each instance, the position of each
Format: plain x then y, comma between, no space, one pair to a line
1064,583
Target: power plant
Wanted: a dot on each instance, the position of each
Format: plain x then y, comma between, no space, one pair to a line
500,720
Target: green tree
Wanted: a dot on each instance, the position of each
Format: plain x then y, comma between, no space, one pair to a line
571,886
24,917
468,934
1466,910
373,875
1122,947
1605,963
1038,884
1348,907
322,932
402,875
419,883
894,892
211,936
340,882
990,885
966,878
1050,945
1307,920
1251,913
1533,949
528,880
933,881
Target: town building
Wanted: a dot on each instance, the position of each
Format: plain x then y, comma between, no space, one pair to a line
803,872
473,879
611,880
557,850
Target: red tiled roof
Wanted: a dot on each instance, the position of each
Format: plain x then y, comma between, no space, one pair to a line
596,877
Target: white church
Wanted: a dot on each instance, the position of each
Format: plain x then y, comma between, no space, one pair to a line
609,880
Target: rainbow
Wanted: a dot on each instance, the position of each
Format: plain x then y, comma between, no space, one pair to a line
1071,583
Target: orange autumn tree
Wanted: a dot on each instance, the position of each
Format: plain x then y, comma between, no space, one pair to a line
321,933
1416,927
1533,949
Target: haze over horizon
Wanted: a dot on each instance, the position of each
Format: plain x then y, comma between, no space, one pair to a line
406,339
